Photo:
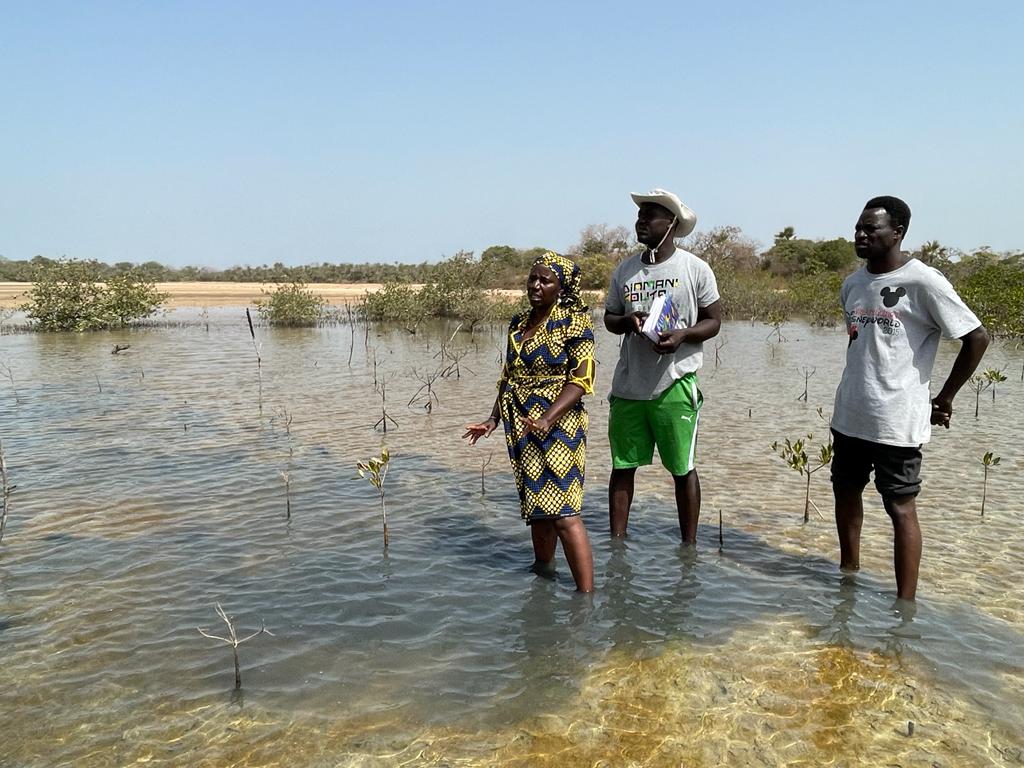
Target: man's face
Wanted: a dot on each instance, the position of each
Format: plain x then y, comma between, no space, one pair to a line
652,222
875,234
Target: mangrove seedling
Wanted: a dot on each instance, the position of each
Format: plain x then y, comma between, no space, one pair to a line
455,366
807,373
7,489
794,453
776,317
978,383
375,470
719,344
427,390
382,390
988,460
994,376
284,417
233,640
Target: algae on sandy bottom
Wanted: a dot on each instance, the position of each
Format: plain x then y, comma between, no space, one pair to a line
740,703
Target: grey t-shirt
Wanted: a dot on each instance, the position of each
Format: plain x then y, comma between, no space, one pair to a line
642,373
894,321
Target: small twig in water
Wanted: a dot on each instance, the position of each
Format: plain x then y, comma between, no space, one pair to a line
483,466
233,640
287,495
6,368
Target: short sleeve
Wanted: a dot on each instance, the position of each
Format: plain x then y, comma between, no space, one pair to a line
580,352
505,372
613,300
706,285
949,312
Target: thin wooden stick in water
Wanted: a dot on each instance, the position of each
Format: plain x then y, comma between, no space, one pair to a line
259,360
483,466
287,495
721,534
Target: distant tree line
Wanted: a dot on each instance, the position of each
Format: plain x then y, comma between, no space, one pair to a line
793,277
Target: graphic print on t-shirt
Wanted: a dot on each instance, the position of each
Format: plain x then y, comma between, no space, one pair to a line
643,292
887,321
891,297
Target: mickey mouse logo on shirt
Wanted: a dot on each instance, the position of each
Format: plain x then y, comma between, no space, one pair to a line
890,297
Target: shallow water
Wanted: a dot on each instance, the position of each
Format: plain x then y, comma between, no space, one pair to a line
149,489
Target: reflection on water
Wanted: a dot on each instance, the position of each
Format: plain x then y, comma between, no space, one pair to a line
149,488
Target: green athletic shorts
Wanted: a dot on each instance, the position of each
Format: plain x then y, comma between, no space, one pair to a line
669,421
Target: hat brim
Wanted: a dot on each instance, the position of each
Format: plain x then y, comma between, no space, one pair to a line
686,219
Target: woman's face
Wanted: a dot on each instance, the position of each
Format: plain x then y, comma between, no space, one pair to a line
542,287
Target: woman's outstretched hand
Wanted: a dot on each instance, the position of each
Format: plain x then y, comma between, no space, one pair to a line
475,431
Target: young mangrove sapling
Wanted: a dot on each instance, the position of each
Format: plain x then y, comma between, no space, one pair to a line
375,470
988,460
794,453
978,384
994,376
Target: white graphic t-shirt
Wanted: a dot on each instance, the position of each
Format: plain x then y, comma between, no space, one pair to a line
894,321
642,373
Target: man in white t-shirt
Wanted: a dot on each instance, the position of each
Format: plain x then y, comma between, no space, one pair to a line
655,401
896,309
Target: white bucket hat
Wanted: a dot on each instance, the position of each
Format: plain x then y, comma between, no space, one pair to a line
686,219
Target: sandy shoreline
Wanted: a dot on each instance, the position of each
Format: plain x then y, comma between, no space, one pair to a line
215,294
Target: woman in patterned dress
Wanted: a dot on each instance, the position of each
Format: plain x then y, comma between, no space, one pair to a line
549,366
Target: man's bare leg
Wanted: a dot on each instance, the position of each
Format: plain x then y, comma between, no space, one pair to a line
906,543
849,521
620,499
688,505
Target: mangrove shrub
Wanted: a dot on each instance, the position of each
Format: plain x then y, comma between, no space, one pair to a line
67,295
291,305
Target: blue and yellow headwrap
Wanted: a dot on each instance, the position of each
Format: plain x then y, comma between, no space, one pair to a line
568,273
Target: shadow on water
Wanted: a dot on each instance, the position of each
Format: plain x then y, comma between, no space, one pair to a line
652,591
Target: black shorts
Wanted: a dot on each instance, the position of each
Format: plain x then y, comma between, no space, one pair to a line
897,468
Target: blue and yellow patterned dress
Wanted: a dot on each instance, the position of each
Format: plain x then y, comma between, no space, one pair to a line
548,467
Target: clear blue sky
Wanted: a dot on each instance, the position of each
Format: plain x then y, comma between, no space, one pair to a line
220,133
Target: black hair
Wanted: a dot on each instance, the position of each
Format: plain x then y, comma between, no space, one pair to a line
899,212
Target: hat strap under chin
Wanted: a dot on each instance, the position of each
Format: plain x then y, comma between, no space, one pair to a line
671,228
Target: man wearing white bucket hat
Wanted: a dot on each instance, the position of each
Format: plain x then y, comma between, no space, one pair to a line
655,400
